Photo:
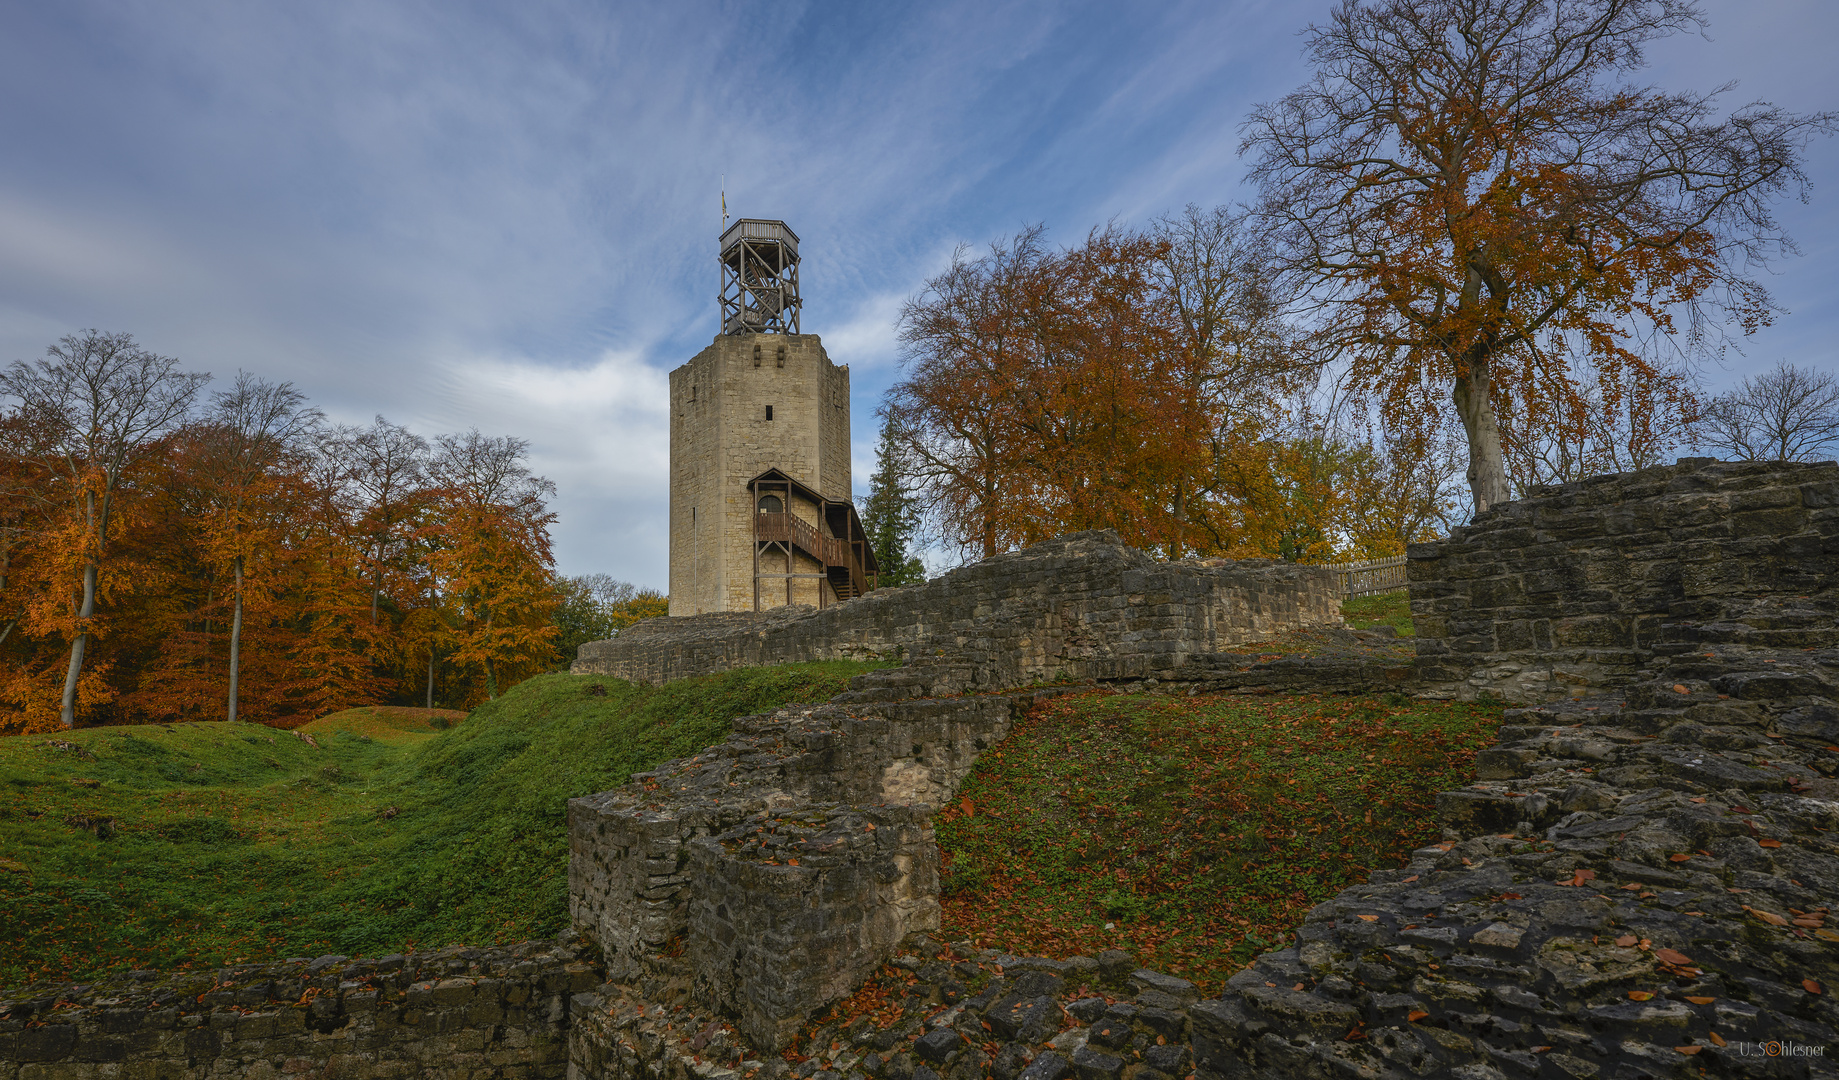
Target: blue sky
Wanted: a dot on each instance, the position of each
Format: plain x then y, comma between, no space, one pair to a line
505,215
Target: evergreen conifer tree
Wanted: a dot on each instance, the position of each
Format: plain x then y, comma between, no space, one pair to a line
889,516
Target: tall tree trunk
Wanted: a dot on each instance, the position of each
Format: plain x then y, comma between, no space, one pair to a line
376,584
1487,471
68,715
1181,517
491,669
236,636
430,674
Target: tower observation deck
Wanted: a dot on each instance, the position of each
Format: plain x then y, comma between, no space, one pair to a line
759,278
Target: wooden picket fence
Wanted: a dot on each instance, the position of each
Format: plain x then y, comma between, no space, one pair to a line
1370,578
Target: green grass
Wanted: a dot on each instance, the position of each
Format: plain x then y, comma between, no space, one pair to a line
1387,609
210,843
1200,829
390,723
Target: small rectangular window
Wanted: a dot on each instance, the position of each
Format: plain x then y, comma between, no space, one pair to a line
769,412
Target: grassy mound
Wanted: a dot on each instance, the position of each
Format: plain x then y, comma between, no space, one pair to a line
1192,832
209,843
391,723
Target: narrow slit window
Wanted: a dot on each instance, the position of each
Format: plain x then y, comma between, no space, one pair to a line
769,412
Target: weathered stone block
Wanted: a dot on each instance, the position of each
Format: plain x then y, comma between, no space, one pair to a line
795,908
1699,541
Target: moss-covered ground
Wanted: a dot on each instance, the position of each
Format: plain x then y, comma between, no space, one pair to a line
168,846
1192,832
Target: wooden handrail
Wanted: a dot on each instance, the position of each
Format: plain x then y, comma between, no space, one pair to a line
832,552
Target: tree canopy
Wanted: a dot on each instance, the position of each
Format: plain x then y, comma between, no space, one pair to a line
246,561
1476,200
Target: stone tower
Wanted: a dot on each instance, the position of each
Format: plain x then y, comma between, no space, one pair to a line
760,512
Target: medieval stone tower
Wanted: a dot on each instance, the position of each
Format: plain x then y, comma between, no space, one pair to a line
760,512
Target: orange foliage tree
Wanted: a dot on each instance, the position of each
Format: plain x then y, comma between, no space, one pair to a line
489,552
247,563
101,399
1479,203
251,440
1108,385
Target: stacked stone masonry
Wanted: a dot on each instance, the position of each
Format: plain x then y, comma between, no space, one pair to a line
460,1013
1593,584
1637,885
769,874
743,405
1084,606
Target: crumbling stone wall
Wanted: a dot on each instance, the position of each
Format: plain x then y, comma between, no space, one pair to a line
1637,885
498,1012
685,876
767,874
1592,584
1085,605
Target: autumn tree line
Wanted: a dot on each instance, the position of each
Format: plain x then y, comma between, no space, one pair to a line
1479,254
168,554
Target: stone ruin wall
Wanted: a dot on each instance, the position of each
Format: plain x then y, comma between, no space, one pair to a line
683,875
1595,584
1638,882
1644,862
458,1012
1083,606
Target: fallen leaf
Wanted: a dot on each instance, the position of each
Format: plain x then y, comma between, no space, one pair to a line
1688,1049
1701,1000
1827,935
1678,857
1766,916
1671,956
1716,1039
1640,995
1632,887
1680,688
1298,986
1698,799
1540,1049
1626,940
1810,986
1369,918
1769,843
1415,1015
1413,877
791,862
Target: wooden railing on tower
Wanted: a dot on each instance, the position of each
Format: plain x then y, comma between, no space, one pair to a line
832,552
